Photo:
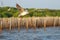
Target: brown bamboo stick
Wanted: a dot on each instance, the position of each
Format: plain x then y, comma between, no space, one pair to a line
10,25
33,20
49,21
59,21
26,21
45,20
0,25
18,24
29,22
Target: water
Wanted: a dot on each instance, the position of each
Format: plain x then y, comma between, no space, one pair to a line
51,33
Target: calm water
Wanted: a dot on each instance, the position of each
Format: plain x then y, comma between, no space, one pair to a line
50,34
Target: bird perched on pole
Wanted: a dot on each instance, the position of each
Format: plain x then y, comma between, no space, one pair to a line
22,12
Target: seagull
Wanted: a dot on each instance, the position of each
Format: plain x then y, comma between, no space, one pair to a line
9,9
22,11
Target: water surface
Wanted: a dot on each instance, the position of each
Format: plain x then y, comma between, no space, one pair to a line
51,33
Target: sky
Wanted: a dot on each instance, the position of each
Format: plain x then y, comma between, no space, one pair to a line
51,4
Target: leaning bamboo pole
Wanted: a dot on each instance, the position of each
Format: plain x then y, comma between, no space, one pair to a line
29,22
0,25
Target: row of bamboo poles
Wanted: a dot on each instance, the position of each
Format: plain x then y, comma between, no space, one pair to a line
30,22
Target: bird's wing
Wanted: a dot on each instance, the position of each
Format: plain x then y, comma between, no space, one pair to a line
19,8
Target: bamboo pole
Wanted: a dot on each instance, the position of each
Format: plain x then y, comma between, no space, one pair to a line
29,22
26,21
6,23
49,21
56,20
15,22
0,25
59,21
45,20
33,20
18,24
37,22
10,25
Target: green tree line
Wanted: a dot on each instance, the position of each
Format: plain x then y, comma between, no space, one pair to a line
13,12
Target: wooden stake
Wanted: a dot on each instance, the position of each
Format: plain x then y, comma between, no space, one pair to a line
54,22
1,25
26,25
34,23
45,24
10,24
18,24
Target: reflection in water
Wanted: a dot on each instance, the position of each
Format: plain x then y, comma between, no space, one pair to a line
2,37
51,33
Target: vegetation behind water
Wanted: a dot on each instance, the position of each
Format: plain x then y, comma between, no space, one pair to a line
13,12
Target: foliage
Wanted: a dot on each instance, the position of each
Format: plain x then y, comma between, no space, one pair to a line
13,12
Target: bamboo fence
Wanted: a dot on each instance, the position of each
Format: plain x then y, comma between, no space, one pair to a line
29,22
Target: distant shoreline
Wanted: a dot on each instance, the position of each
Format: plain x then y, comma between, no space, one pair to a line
6,12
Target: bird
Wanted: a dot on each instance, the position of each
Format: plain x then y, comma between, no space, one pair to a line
9,9
22,11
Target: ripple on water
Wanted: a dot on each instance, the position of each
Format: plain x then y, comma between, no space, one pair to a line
39,34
